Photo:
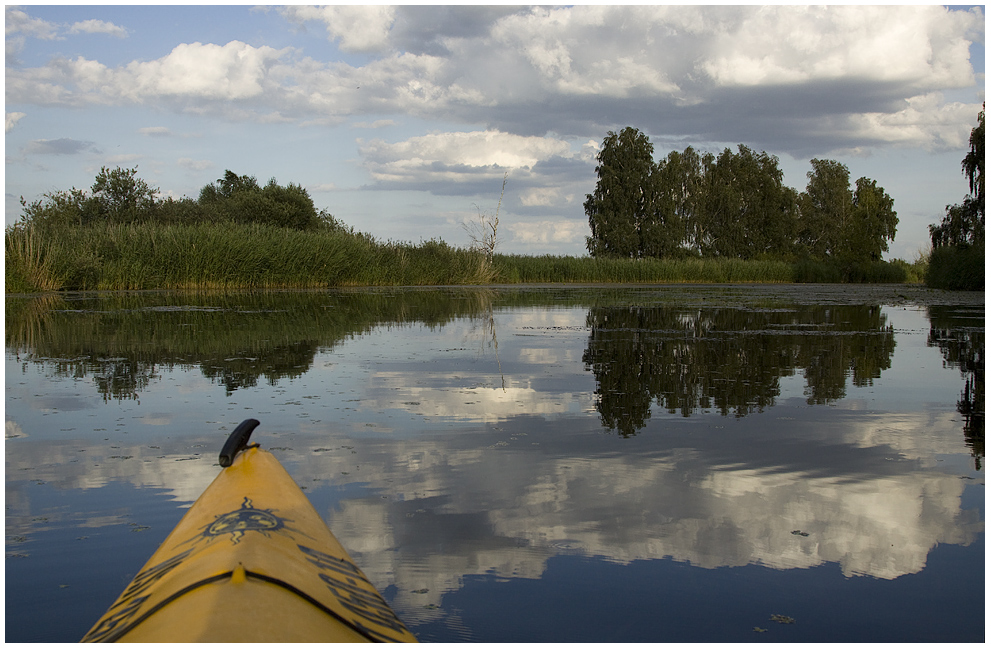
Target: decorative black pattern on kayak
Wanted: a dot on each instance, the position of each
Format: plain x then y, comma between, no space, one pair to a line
355,593
245,519
132,599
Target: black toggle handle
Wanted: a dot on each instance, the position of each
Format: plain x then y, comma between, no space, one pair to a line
237,441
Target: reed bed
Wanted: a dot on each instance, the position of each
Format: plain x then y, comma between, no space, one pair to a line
523,269
29,262
257,256
226,256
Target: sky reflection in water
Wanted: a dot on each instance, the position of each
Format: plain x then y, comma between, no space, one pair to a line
473,449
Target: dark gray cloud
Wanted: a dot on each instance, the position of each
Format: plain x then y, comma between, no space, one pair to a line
471,181
799,121
423,29
60,146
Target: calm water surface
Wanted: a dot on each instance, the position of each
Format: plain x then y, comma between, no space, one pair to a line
546,464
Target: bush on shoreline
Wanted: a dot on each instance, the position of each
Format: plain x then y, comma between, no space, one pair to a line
956,268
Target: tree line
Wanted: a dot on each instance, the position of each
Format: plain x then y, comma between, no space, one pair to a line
733,204
119,196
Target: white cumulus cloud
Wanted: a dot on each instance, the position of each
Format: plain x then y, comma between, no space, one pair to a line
549,231
10,121
357,28
220,72
926,119
17,21
800,44
93,26
456,156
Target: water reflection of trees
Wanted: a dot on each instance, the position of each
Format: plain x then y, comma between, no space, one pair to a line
959,334
125,341
727,359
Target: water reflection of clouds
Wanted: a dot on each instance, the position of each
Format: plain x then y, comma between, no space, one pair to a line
157,418
13,430
457,396
437,453
875,512
81,465
507,499
507,376
878,513
545,356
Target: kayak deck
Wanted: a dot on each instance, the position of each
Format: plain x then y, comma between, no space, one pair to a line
251,561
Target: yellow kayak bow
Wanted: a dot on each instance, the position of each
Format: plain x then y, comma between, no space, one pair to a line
251,561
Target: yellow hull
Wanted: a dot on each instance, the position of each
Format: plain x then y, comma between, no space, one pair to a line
251,561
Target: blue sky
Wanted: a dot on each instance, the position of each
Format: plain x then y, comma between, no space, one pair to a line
402,121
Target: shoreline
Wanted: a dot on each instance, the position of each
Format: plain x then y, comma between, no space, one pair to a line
885,293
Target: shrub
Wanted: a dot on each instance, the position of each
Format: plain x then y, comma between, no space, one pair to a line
956,268
60,209
914,272
239,199
178,212
813,271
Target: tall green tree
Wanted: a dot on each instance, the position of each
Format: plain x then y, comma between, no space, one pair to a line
852,226
973,167
873,222
677,185
289,206
957,258
826,208
623,204
747,210
768,208
720,207
681,185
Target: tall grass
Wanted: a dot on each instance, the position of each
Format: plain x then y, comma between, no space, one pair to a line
523,269
226,256
30,262
252,255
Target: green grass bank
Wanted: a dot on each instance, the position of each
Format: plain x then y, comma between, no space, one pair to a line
250,255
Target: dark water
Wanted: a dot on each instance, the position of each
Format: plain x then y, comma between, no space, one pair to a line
796,463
